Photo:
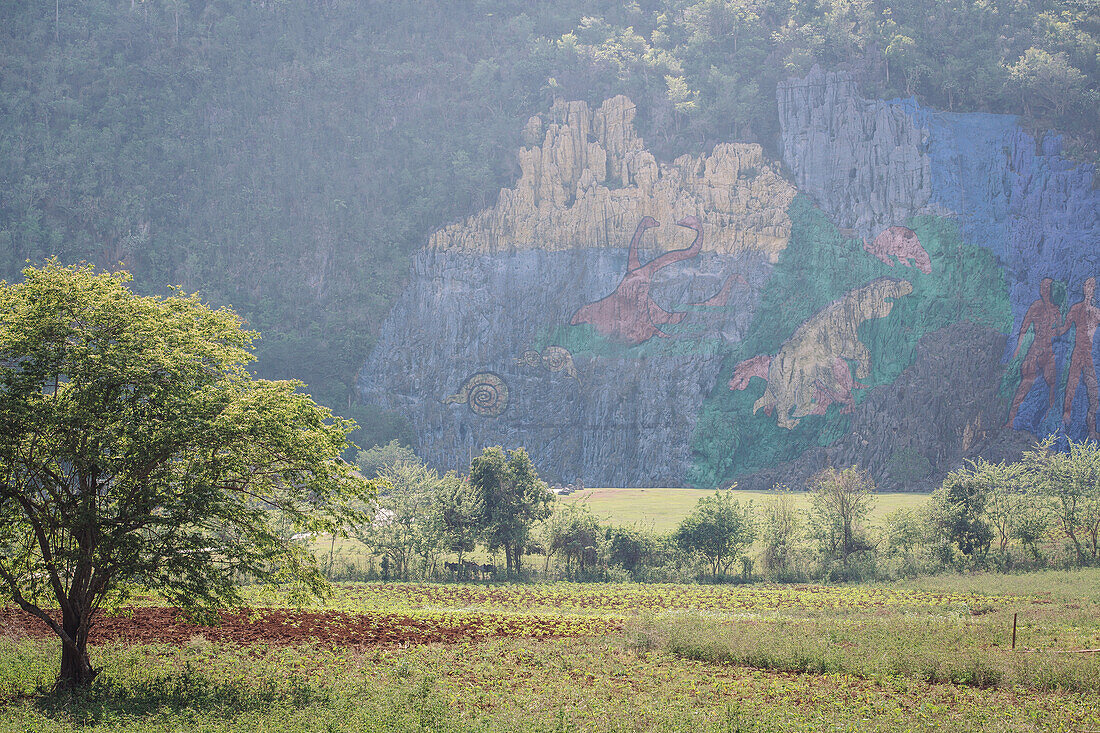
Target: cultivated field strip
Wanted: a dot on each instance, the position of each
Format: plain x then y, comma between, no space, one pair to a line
633,599
151,625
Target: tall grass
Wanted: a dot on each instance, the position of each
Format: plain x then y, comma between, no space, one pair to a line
1078,586
924,648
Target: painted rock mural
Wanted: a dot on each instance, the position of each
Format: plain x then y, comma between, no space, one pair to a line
811,370
917,289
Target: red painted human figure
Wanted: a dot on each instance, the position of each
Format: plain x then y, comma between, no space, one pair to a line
1044,315
1085,317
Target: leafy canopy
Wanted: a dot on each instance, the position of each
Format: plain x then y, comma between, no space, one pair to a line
840,502
406,523
719,529
511,498
137,450
381,457
1071,481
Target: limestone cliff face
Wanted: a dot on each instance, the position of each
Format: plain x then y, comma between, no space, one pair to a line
813,368
909,434
639,323
492,301
873,164
863,161
592,179
623,420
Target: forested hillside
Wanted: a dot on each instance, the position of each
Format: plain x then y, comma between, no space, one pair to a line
286,157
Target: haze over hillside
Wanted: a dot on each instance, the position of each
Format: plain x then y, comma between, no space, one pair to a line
289,158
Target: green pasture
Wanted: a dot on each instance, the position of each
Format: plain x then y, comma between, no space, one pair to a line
659,510
920,655
662,509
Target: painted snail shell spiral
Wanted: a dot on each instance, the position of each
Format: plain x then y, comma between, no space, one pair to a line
485,393
557,359
530,358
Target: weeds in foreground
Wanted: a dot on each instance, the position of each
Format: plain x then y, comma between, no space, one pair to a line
769,658
524,685
929,649
187,689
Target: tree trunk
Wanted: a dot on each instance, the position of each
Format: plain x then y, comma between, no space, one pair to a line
1077,547
517,552
76,667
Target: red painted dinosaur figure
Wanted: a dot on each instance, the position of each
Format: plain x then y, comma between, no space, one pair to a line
629,313
901,242
749,368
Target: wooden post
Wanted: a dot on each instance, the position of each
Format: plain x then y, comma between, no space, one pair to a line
1013,631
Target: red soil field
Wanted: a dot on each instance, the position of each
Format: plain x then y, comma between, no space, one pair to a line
285,626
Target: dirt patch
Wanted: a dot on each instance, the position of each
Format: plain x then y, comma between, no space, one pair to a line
286,626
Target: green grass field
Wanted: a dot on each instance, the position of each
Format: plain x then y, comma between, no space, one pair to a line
925,655
657,509
662,509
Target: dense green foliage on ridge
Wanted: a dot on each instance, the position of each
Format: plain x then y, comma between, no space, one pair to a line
286,158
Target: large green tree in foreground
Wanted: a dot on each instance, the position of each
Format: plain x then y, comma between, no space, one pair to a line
136,450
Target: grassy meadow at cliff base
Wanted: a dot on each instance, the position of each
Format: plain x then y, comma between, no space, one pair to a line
662,509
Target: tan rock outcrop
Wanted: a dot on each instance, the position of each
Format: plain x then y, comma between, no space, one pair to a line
592,179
